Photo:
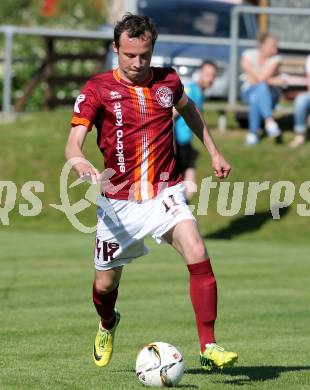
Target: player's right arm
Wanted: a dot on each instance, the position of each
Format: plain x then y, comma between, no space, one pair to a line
86,107
194,120
74,150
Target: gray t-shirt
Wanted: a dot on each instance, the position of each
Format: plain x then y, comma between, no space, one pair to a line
252,55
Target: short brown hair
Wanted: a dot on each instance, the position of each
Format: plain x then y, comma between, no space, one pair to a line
135,26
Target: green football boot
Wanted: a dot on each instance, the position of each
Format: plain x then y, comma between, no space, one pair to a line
215,356
103,347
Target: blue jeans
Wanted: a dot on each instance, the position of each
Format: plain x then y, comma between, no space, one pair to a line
262,99
301,112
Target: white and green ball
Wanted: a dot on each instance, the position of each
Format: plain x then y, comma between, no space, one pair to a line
159,364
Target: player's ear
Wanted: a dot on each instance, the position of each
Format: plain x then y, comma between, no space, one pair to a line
115,49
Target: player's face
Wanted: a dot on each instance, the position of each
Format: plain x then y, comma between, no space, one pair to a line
207,76
134,57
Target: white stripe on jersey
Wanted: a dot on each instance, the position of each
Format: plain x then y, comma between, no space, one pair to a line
145,146
141,101
144,168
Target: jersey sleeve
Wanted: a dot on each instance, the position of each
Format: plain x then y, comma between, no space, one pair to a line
179,91
86,106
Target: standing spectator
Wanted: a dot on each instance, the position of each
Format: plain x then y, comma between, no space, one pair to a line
301,112
259,89
186,154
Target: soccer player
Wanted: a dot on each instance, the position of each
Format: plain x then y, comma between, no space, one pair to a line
131,107
186,154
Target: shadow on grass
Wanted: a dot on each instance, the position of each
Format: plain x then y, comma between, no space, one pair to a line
253,374
245,224
181,386
285,122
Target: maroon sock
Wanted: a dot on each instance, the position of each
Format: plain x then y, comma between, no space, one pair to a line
203,292
105,304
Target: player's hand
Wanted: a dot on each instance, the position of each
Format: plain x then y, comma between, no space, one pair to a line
88,173
220,166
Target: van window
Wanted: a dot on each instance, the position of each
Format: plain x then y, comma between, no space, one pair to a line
196,18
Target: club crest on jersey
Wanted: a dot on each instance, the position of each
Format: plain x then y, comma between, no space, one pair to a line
79,100
115,95
164,96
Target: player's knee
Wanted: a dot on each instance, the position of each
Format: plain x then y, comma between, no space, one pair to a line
104,287
195,252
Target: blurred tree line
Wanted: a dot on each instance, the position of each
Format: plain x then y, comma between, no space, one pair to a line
29,52
83,14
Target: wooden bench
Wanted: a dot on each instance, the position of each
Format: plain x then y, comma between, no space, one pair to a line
293,66
224,108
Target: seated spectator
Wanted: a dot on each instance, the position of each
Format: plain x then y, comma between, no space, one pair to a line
186,154
301,112
259,90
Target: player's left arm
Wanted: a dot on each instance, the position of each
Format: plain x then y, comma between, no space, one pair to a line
194,119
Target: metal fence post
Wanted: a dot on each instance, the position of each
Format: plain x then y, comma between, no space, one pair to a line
233,60
7,77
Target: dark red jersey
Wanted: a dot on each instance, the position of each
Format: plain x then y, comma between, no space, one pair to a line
135,129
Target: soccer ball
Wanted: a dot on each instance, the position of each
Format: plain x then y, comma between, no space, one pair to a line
159,364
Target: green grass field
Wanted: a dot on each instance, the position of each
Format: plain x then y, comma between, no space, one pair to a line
262,265
32,148
48,322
